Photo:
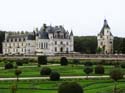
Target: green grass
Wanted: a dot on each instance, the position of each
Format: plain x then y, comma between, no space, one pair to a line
47,86
63,70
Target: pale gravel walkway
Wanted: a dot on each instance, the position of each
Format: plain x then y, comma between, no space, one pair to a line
63,77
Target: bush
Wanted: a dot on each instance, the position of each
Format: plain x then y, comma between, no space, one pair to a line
70,87
45,71
63,61
88,64
54,76
19,63
76,61
42,60
99,69
116,74
8,66
123,65
88,70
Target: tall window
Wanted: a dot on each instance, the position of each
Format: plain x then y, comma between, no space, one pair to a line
55,42
55,49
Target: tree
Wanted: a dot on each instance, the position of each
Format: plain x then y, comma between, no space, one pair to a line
76,61
88,64
8,66
116,74
70,87
45,71
99,69
88,70
63,61
17,73
42,60
54,76
99,50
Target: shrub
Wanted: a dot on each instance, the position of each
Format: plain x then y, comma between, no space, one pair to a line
45,71
54,76
88,64
116,74
19,63
76,61
17,73
88,70
123,65
70,87
99,69
42,60
9,66
63,61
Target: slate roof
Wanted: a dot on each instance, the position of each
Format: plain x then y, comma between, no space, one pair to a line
104,26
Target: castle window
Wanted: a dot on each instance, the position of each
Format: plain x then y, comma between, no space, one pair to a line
55,42
19,39
15,39
61,42
55,49
67,43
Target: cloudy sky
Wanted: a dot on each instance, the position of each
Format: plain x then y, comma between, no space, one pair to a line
84,17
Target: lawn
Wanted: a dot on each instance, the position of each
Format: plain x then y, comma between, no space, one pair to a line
47,86
76,70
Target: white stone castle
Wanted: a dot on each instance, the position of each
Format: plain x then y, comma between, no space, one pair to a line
105,39
46,41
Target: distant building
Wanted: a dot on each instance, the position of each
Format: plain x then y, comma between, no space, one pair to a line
46,41
105,39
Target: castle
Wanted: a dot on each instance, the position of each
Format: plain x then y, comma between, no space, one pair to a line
105,39
48,40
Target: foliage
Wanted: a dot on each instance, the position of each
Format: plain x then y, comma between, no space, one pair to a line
123,65
19,63
88,70
76,61
17,73
99,69
63,61
88,64
42,60
70,87
85,44
8,66
54,76
116,74
45,71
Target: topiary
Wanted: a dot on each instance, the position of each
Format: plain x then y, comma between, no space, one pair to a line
76,61
19,63
42,60
70,87
123,65
8,66
45,71
88,64
99,69
54,76
63,61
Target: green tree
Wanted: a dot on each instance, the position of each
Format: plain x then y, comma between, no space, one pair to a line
116,74
17,73
88,70
70,87
42,60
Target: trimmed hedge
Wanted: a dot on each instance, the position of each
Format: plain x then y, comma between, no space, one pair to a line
70,87
54,76
45,71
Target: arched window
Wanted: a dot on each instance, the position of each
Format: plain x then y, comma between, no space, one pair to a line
61,49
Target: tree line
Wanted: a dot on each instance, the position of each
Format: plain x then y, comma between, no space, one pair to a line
85,44
88,44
